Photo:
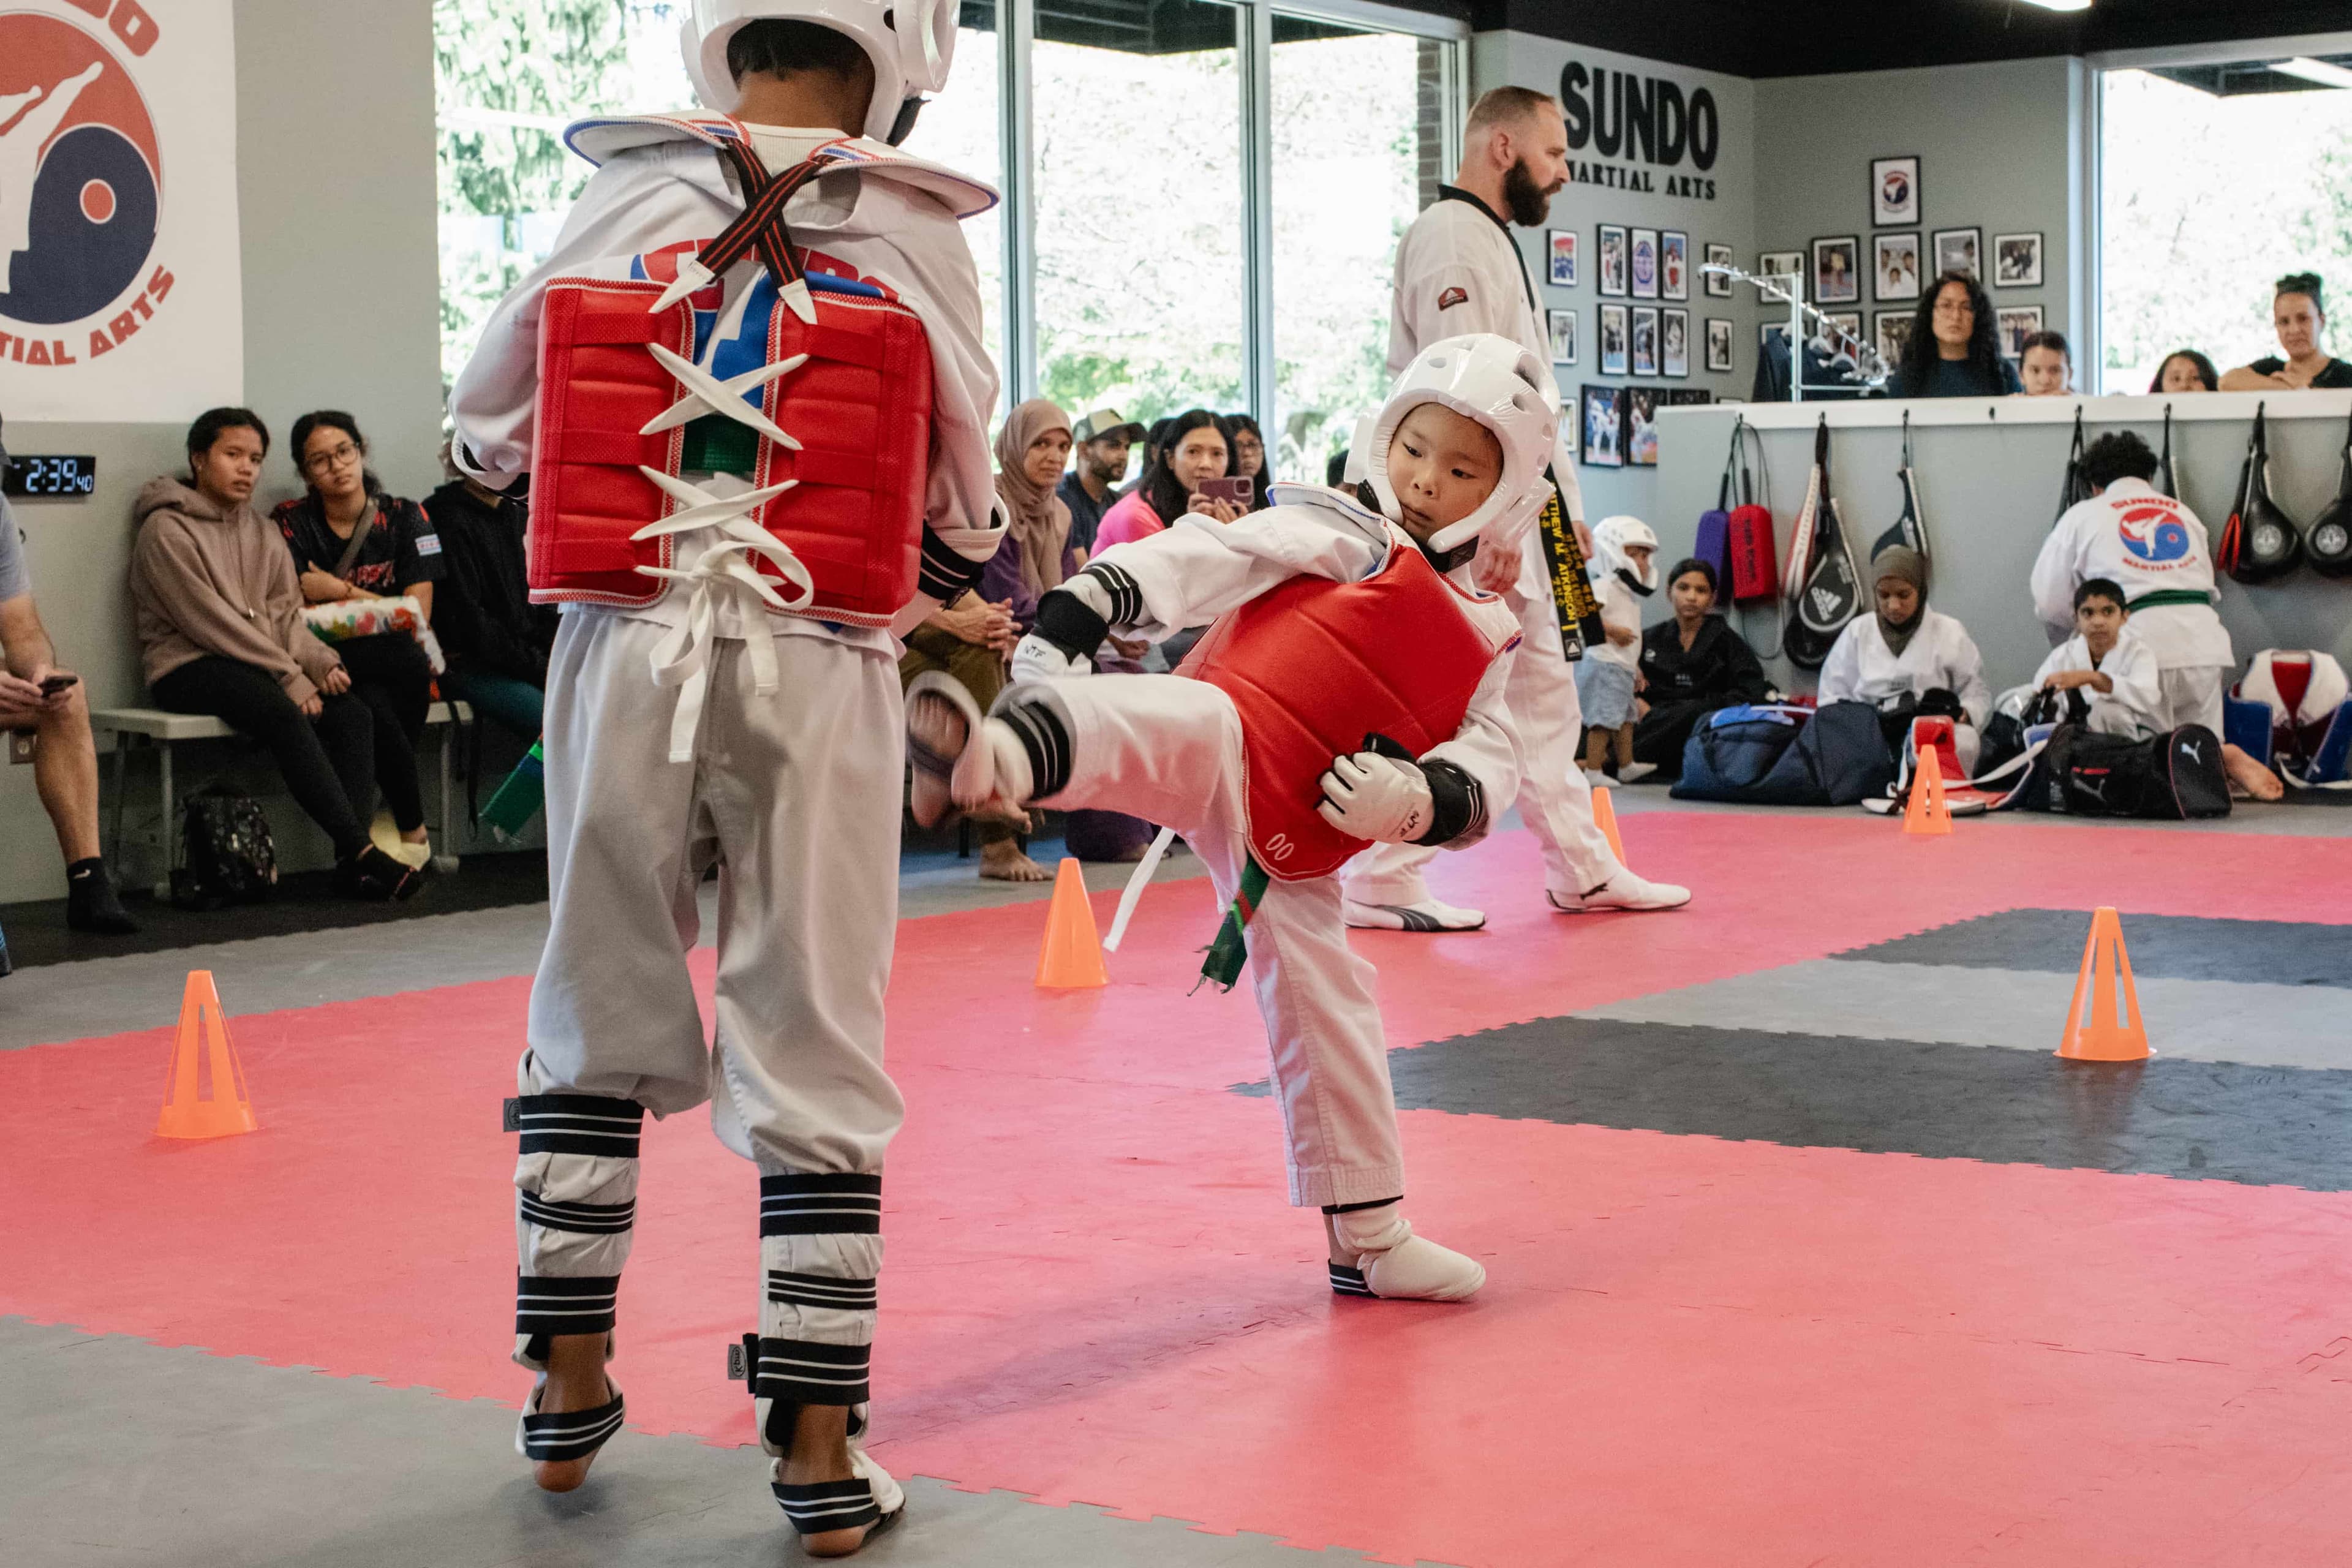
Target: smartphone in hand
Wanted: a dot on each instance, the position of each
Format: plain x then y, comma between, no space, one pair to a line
1238,491
52,685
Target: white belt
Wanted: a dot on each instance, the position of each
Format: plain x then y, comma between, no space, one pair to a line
725,570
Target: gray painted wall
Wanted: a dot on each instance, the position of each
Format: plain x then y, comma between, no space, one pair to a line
1998,148
1526,61
1990,491
335,185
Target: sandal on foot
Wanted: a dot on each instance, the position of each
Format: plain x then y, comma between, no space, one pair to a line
871,1498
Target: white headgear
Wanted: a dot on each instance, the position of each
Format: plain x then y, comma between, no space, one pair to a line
1490,379
910,42
1612,536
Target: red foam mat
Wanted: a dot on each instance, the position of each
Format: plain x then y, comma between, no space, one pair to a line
1692,1352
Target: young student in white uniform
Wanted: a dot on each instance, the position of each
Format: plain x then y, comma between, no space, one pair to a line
1351,690
1459,270
2107,676
1907,660
2156,549
1624,572
750,387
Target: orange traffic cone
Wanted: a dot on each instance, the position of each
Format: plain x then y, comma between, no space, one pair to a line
203,1032
1927,812
2107,970
1604,814
1072,958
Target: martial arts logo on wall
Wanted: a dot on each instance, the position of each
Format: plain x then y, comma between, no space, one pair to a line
118,279
2153,534
1651,119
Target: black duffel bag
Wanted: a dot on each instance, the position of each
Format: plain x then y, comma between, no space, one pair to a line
2170,777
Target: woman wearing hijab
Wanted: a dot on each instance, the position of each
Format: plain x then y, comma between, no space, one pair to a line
1909,661
970,637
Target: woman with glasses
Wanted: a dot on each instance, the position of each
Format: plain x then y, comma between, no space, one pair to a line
1954,350
352,539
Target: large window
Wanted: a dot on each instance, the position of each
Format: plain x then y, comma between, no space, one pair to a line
2215,179
1206,210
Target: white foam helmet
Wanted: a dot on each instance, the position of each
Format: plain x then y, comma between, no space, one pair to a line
910,42
1615,535
1490,379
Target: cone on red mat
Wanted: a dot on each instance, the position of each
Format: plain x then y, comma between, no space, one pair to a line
1605,816
2114,1031
1072,958
1927,812
203,1033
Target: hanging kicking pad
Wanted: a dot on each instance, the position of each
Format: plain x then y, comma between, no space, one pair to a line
2073,487
1829,589
2330,540
2260,542
1910,530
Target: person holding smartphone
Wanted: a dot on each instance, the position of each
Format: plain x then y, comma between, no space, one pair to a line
1193,452
37,698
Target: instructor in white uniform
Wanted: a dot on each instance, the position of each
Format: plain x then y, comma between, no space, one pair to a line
1459,270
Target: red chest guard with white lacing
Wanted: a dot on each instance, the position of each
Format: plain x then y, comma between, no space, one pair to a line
1315,666
859,407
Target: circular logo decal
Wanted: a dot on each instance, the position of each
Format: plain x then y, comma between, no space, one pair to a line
80,172
2152,533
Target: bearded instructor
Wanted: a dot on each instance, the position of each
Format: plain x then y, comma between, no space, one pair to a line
1459,270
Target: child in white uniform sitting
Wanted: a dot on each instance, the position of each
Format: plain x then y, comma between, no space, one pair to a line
1909,661
2108,677
1624,572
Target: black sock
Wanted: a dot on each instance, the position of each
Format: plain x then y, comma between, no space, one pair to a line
80,871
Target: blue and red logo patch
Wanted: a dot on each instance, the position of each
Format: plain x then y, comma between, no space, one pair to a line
2152,534
81,184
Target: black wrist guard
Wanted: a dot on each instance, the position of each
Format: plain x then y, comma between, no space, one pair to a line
1457,805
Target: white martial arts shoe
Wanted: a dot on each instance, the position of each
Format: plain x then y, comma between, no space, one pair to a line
872,1498
1624,892
1391,1264
1427,915
1635,772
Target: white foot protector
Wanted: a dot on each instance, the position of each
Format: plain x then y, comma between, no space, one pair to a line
949,771
872,1497
1624,892
1429,914
1391,1264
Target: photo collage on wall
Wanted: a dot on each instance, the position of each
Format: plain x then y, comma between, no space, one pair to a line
1616,426
1902,266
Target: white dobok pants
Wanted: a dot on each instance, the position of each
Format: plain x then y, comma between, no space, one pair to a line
1555,801
1169,749
795,797
2192,695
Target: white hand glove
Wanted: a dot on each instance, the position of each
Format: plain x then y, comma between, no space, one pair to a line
1368,795
1034,658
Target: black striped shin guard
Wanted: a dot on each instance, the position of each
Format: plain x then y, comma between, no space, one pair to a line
575,1203
820,1249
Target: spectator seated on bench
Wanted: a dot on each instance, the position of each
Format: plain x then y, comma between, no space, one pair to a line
496,640
218,612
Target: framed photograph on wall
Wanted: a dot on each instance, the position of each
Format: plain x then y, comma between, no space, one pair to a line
2017,261
1718,344
1894,328
1563,336
1614,333
1897,265
1837,270
1678,396
1643,251
1894,192
2016,323
1846,321
1645,339
1563,242
1613,260
1641,425
1790,264
1603,421
1960,250
1674,265
1674,340
1717,286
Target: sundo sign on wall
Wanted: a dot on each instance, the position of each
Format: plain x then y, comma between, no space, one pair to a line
120,284
1638,131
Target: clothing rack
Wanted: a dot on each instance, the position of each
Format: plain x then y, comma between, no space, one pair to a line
1833,339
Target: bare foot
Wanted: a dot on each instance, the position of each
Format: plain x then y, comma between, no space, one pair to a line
821,1453
2251,775
1005,862
575,1381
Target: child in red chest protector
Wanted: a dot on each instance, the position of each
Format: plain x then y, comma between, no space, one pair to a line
1350,691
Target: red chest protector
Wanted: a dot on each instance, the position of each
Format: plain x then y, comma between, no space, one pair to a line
860,409
1315,666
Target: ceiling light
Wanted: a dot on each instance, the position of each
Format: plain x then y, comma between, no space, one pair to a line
2320,71
2061,4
